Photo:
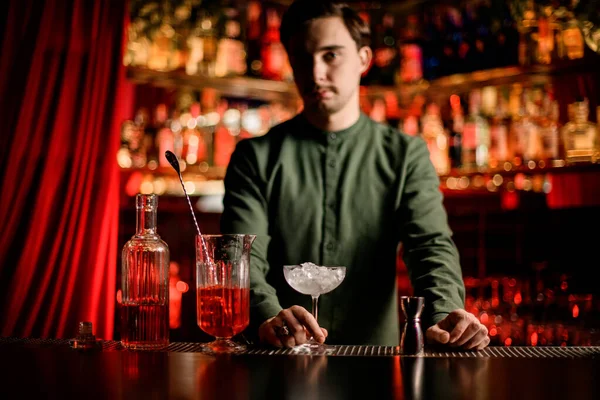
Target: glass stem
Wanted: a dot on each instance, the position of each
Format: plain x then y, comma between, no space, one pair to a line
315,306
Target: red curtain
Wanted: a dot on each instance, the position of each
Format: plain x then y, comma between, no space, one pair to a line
63,95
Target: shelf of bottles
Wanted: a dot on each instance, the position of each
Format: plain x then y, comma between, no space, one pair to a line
537,310
473,79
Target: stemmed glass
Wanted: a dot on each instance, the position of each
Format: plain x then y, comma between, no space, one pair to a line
313,280
223,288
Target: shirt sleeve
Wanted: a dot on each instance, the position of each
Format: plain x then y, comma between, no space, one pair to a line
245,212
430,254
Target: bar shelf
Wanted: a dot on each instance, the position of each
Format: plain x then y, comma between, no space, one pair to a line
269,90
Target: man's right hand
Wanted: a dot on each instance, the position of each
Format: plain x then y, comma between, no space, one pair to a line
300,324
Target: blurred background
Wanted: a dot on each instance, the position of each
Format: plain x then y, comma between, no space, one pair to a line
92,93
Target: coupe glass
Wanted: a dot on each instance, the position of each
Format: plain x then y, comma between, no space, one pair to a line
223,288
313,280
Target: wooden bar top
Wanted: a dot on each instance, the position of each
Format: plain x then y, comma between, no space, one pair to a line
50,369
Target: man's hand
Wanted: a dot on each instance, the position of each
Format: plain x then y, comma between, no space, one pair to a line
300,323
459,329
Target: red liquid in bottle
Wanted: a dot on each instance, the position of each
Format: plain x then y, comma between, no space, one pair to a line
223,312
145,326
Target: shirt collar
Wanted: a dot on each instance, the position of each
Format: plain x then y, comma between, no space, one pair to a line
307,129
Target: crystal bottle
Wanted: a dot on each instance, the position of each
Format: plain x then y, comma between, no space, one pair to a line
580,137
145,282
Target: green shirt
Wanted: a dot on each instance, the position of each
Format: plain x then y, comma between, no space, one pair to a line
343,198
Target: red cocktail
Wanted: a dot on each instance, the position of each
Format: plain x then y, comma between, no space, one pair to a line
222,311
223,288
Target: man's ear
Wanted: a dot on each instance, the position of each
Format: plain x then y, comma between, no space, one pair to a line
366,56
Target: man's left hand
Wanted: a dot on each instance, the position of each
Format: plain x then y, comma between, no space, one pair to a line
459,329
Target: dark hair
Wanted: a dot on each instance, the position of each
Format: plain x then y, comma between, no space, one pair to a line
301,12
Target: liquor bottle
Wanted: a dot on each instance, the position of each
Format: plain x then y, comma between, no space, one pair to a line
549,130
177,128
572,38
377,112
545,45
165,139
226,133
456,131
254,32
208,37
437,139
194,146
138,45
145,282
275,63
163,47
580,137
532,149
231,52
476,136
210,121
150,135
499,137
411,58
517,113
137,141
195,44
527,32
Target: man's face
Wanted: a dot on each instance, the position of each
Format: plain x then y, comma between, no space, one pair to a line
327,66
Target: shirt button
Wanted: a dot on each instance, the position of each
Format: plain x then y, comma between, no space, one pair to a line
332,163
329,246
332,136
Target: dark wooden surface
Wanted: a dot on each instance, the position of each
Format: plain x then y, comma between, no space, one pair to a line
55,371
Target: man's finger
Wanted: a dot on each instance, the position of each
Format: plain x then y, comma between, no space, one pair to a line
483,344
325,332
476,341
435,334
460,328
269,335
288,341
306,319
473,345
296,329
472,330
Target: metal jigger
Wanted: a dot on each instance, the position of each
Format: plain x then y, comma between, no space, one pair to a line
412,335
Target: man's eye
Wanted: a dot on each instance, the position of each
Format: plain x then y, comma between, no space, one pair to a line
330,56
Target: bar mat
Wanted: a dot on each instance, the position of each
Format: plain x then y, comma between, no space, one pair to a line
364,351
489,352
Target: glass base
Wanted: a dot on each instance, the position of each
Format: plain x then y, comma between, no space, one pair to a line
220,346
312,347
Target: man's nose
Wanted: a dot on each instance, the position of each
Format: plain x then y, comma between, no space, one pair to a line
319,71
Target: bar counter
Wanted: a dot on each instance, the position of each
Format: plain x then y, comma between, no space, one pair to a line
51,369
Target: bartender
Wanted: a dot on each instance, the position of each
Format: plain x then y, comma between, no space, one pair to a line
333,187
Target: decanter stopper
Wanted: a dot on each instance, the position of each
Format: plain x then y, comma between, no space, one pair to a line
85,339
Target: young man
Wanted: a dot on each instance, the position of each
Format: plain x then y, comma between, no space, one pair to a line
333,187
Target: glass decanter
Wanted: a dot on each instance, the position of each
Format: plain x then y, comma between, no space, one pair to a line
145,282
